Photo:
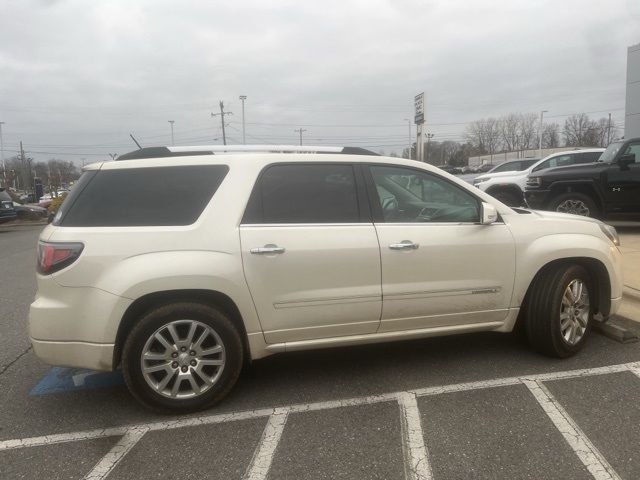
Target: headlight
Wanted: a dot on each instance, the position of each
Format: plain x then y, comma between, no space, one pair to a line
535,182
611,233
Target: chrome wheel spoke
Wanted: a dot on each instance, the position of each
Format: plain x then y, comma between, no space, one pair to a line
192,332
574,312
211,351
176,386
165,381
158,336
205,378
174,334
157,368
166,355
206,362
194,384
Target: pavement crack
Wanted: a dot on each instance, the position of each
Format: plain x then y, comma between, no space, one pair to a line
8,365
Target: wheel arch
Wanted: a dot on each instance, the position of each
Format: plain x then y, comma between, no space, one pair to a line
584,187
599,277
151,301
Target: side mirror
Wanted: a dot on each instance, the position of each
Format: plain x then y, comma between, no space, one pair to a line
626,160
489,214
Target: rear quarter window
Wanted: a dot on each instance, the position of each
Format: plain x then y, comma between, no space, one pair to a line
154,196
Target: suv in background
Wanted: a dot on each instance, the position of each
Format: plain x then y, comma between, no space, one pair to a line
508,187
608,189
278,252
7,212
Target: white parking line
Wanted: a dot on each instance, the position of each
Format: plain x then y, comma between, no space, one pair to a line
416,465
263,456
117,452
416,453
588,454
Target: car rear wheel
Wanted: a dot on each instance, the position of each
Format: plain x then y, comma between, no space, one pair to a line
559,310
576,204
182,357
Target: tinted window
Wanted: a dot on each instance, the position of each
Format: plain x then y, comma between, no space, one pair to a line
308,193
157,196
508,167
633,149
588,157
557,161
407,195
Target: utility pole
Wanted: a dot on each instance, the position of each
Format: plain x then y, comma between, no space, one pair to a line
429,137
608,131
410,137
172,122
542,112
222,114
244,139
4,167
300,130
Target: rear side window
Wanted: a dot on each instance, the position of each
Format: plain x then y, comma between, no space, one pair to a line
304,193
155,196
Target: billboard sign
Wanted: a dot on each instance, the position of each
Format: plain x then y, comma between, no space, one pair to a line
419,108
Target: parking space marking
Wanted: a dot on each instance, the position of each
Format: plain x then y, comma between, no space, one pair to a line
263,456
417,465
117,453
588,454
416,454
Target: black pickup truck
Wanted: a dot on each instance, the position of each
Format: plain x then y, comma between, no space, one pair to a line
608,189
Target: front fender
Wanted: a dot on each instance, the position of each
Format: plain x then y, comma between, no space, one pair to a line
532,257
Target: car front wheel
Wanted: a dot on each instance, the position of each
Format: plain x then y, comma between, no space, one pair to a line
576,204
559,310
182,357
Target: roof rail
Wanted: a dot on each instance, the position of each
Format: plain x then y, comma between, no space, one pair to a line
157,152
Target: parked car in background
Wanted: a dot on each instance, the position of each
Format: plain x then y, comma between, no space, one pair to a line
315,248
608,189
7,212
30,212
513,165
508,186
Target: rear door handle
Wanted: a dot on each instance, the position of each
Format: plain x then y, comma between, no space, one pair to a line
404,245
270,248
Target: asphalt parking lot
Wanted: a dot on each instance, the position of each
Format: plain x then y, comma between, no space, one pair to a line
471,406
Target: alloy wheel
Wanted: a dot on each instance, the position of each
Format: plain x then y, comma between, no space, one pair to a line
182,359
576,207
574,312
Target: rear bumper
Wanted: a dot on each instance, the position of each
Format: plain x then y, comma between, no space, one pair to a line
536,199
95,356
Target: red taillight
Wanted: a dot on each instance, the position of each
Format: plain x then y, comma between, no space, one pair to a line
55,256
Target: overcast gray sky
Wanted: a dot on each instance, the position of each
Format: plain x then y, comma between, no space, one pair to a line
77,76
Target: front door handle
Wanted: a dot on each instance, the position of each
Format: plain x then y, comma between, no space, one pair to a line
404,245
270,248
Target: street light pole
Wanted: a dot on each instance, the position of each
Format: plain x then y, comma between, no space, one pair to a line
172,122
542,112
300,130
244,139
410,138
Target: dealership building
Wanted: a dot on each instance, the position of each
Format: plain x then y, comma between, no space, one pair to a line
632,106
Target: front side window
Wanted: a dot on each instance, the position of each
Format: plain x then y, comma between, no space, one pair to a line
304,193
559,161
633,149
410,196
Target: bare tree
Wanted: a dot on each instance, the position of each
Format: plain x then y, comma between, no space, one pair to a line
551,135
484,135
509,129
579,131
528,131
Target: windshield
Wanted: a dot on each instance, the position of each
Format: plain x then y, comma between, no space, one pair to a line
610,153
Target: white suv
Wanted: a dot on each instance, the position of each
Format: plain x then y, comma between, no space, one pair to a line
508,186
180,269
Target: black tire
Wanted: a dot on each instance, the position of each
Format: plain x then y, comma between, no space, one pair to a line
156,319
543,310
507,197
583,203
